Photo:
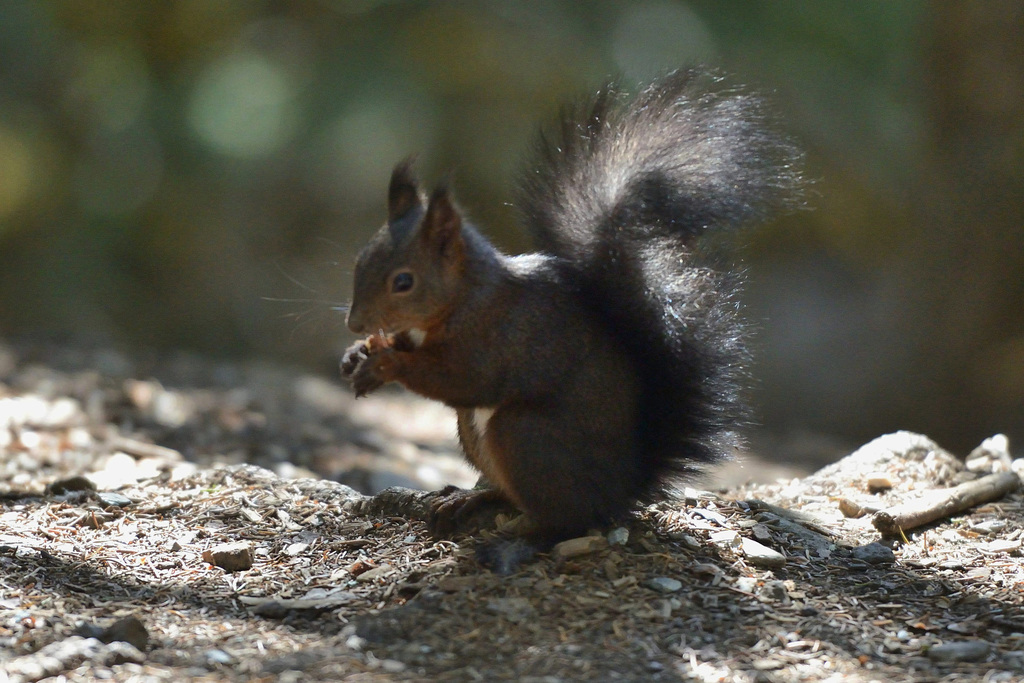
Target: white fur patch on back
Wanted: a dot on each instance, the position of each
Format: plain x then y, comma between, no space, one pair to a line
417,336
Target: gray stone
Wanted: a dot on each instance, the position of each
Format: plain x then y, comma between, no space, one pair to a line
618,536
664,584
112,499
873,553
962,651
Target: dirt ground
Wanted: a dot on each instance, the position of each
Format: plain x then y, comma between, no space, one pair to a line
137,545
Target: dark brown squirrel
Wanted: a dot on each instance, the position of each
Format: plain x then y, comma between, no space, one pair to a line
588,376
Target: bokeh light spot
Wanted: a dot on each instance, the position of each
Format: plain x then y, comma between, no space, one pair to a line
243,106
16,171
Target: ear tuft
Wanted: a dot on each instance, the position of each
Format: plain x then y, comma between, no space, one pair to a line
403,192
443,222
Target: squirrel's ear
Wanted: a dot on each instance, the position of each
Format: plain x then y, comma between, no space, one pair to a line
403,192
442,225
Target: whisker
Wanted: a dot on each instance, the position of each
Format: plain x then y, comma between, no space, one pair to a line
294,281
314,311
283,300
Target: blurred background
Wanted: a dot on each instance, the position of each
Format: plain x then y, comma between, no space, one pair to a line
198,174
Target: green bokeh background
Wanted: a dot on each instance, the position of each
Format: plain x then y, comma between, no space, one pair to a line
167,168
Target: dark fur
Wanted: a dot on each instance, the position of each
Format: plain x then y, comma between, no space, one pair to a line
612,361
620,194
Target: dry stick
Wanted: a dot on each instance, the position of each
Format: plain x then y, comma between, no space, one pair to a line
945,502
142,449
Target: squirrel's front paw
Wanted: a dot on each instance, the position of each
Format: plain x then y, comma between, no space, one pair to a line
374,371
354,355
361,351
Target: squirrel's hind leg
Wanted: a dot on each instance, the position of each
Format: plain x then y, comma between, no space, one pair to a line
458,511
567,481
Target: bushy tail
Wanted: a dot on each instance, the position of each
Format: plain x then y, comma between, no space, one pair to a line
686,154
622,190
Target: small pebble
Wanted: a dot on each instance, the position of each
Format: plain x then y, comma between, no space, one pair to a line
218,657
879,483
392,666
664,584
618,536
873,553
574,547
963,651
232,557
726,539
761,555
112,499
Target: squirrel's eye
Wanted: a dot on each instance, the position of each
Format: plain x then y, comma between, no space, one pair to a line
402,282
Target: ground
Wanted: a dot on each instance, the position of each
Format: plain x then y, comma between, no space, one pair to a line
117,492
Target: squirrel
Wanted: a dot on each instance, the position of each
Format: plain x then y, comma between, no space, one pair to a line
589,376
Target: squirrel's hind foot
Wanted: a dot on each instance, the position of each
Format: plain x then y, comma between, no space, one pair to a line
457,512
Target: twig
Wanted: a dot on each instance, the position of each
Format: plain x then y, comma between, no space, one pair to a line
143,449
943,503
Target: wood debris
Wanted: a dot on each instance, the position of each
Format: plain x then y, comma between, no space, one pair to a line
347,587
943,503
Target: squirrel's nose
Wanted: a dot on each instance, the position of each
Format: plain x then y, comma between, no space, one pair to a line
354,321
